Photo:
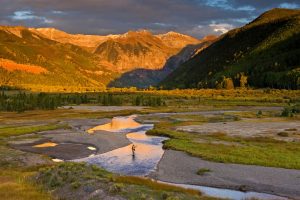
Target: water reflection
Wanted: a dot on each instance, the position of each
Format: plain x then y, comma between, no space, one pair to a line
121,160
229,194
47,144
118,124
147,154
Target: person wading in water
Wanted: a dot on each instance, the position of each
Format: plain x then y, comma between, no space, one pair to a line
133,150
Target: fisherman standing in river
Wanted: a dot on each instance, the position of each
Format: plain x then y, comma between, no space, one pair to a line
133,150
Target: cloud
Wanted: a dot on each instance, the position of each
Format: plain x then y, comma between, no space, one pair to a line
210,29
163,24
219,3
244,20
28,15
289,5
22,15
246,8
57,12
118,16
229,5
221,28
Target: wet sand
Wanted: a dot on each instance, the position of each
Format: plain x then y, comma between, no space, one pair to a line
179,167
74,143
64,151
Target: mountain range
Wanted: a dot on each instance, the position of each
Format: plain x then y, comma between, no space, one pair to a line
70,60
263,53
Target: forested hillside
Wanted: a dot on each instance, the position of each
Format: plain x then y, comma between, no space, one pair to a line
263,53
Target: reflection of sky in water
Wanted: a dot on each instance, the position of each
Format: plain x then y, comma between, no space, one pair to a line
147,155
148,148
122,124
47,144
230,194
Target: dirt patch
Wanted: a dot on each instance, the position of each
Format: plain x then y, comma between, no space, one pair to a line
245,128
64,151
179,167
74,143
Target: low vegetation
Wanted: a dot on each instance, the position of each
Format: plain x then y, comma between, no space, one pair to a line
291,110
18,168
18,184
78,176
283,134
203,171
251,151
16,131
21,101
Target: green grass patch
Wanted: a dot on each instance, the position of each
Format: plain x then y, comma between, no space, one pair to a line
17,131
251,151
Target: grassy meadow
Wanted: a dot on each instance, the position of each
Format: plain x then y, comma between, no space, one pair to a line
221,147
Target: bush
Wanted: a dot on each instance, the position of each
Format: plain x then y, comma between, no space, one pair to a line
283,134
287,112
259,114
165,196
203,171
116,188
75,185
290,111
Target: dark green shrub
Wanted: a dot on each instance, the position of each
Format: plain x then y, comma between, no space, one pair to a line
203,171
75,185
283,134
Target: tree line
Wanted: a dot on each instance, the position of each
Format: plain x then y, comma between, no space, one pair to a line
22,101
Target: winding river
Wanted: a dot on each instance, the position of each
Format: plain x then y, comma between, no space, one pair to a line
148,148
147,155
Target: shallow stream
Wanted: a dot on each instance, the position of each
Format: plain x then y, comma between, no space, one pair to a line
147,155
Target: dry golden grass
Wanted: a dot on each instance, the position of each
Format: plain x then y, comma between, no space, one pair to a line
16,185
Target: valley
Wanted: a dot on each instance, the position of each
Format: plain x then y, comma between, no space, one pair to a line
173,142
147,100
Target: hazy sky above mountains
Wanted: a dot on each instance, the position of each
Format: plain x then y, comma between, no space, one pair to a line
193,17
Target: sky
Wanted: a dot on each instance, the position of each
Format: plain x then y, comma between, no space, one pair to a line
193,17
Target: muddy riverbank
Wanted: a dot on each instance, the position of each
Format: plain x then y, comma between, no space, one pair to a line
74,143
109,142
179,167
